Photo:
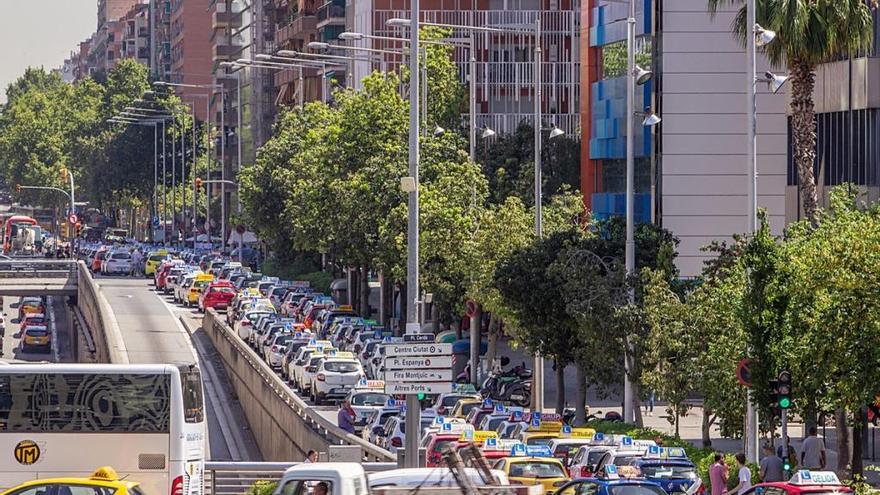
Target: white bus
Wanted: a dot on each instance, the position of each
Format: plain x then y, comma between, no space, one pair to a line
145,421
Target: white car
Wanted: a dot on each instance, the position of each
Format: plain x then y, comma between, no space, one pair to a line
374,427
416,478
181,289
245,325
309,371
276,349
336,376
116,262
365,402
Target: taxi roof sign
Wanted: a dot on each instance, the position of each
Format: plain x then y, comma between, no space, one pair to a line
805,477
518,450
611,472
538,451
626,441
364,383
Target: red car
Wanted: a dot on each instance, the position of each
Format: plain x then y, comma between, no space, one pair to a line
33,319
162,274
804,483
434,448
96,261
217,295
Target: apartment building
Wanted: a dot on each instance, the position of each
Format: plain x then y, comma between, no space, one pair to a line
691,170
190,46
297,26
135,27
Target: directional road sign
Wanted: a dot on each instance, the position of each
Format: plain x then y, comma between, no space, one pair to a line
72,218
416,375
413,349
418,362
419,337
418,388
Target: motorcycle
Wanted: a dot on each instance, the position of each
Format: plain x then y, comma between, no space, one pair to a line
513,386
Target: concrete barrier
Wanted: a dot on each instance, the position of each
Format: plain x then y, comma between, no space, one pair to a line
284,426
99,322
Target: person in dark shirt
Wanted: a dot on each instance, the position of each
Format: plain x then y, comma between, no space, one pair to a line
345,418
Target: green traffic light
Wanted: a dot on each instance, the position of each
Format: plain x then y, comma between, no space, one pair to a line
421,396
787,466
784,402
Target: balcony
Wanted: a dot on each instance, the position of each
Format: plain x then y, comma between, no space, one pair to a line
224,53
297,29
332,12
225,20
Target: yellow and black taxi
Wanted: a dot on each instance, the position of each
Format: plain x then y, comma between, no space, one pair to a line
533,465
36,337
104,481
463,407
154,259
198,286
541,429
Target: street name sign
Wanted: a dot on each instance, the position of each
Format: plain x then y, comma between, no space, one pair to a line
418,375
419,337
418,388
418,362
415,349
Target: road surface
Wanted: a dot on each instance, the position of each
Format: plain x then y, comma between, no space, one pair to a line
153,333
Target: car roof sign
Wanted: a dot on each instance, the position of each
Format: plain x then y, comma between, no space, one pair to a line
611,472
805,477
538,451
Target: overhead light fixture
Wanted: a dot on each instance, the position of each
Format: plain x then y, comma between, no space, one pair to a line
642,75
775,81
350,36
651,118
287,53
438,131
556,132
398,22
263,56
763,36
319,45
487,133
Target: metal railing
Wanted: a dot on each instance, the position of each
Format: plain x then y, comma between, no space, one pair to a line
234,478
38,268
330,432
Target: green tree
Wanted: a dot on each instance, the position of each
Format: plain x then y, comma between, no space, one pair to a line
808,33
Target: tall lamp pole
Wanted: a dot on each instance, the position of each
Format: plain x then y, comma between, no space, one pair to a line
412,227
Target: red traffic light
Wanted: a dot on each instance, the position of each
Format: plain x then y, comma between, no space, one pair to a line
198,183
18,188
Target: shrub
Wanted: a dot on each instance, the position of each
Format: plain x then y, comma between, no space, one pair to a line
262,487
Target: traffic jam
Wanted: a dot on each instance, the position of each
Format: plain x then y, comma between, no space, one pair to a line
328,355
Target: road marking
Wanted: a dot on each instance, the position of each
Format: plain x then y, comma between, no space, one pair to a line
53,329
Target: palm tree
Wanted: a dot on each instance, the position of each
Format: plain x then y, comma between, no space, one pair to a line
808,33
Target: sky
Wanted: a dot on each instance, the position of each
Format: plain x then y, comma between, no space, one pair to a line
41,33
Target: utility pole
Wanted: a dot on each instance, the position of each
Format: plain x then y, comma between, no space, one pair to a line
413,408
538,372
630,250
751,430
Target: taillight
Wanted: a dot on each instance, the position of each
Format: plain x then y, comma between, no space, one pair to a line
274,348
396,442
177,486
441,410
320,377
246,323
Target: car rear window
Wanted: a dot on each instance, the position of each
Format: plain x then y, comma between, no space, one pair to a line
342,366
226,290
369,399
124,256
536,470
37,332
156,258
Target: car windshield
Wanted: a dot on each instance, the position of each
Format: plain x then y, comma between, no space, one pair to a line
592,457
466,408
369,399
641,489
126,256
283,339
624,460
253,317
493,423
202,283
160,258
342,366
540,441
35,320
669,472
536,469
450,400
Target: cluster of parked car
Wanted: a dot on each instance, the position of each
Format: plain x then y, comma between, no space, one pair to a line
33,320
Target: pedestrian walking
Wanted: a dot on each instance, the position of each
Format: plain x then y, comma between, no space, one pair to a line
649,407
813,451
744,476
345,418
718,473
771,466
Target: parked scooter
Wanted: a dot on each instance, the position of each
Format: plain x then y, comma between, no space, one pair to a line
513,386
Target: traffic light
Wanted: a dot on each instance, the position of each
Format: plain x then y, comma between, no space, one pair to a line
783,389
78,227
198,184
18,188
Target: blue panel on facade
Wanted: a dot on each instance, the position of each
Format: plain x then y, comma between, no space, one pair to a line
607,205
